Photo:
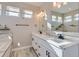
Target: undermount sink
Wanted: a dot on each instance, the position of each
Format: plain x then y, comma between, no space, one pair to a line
59,42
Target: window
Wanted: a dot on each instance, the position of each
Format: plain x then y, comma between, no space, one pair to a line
76,17
48,25
12,11
59,19
28,14
53,18
68,19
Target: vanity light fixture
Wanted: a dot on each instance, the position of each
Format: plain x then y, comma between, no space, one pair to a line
41,14
9,37
59,4
54,4
18,44
64,3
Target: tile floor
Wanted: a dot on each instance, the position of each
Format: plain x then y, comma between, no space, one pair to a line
24,53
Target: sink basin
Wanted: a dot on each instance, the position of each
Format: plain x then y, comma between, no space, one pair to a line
58,40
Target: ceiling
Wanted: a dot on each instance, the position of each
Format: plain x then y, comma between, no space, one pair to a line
49,5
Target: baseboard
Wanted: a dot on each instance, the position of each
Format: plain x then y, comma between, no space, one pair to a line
15,49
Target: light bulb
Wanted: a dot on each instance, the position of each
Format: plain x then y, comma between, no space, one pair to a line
59,5
9,37
18,44
54,4
64,3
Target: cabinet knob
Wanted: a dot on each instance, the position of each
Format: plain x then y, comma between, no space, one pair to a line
38,54
47,53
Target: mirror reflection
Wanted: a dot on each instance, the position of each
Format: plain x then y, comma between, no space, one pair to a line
63,17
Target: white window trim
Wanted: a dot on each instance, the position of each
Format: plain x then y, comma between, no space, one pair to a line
59,20
8,11
28,13
12,12
54,18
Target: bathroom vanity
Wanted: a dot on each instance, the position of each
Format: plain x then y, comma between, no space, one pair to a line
47,46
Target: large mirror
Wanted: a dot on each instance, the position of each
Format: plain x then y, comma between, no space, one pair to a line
64,18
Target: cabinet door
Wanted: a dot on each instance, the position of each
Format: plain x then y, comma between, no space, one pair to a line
35,44
45,52
45,45
71,51
42,51
50,54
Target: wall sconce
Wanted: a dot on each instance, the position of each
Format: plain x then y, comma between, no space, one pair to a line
59,4
41,14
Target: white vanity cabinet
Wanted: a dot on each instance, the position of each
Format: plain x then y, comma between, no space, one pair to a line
72,51
35,44
41,47
46,49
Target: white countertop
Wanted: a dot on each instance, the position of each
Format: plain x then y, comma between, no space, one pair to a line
41,35
73,34
5,42
70,40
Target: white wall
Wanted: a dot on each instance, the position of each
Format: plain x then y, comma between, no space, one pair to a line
21,34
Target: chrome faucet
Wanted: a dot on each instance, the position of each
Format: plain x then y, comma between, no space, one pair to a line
60,36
